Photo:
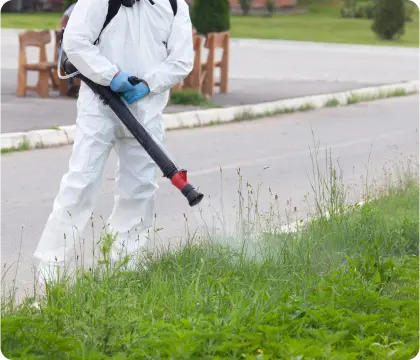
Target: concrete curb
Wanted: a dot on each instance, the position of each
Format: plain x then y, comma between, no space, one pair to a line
64,135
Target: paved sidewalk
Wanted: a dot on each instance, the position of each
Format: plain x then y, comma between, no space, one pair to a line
260,70
34,113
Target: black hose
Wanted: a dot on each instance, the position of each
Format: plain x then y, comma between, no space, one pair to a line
114,101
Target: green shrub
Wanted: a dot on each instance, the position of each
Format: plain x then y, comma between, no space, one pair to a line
348,9
367,11
271,7
389,22
190,97
358,9
211,16
245,6
410,7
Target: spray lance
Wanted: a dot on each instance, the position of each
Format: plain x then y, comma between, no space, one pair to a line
113,100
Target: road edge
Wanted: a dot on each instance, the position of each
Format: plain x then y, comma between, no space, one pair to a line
64,135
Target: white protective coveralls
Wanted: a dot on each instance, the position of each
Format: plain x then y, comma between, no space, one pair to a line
146,41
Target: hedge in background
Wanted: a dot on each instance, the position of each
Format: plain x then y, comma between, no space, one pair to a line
211,16
389,22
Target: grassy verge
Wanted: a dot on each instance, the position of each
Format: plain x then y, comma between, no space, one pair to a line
333,102
247,115
354,99
342,287
325,24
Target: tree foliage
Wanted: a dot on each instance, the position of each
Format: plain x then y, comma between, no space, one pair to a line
211,16
246,6
389,21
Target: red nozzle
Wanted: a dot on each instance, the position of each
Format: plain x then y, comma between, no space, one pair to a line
180,179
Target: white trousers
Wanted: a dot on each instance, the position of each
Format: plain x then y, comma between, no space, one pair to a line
135,189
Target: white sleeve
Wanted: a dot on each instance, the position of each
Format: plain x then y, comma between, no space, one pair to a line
82,29
180,60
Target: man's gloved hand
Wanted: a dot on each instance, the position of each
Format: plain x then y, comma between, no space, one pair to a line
120,83
140,91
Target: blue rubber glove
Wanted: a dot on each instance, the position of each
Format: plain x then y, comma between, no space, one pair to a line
120,83
140,91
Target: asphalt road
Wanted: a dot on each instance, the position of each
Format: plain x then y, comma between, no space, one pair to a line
272,152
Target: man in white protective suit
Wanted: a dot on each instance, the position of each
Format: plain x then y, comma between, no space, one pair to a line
146,40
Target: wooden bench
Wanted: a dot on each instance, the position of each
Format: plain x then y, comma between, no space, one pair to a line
202,77
180,86
39,39
192,81
213,42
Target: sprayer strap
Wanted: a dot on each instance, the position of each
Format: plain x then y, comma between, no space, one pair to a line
113,8
174,6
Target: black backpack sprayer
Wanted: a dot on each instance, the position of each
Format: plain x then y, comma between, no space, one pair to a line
113,100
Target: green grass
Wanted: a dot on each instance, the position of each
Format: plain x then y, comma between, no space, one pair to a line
322,24
47,20
332,103
342,287
191,97
249,115
354,99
